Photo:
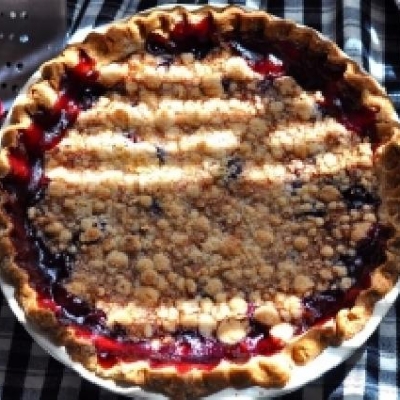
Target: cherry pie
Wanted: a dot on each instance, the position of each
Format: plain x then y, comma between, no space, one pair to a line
198,200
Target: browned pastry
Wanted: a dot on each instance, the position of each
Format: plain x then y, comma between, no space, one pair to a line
198,200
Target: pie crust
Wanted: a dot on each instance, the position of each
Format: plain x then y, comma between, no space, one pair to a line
214,67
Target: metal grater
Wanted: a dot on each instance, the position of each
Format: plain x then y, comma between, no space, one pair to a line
31,32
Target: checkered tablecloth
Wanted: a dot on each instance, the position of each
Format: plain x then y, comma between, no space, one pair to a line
369,31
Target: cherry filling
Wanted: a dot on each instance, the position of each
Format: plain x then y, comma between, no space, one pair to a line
79,89
26,183
185,37
234,168
47,271
264,63
370,252
184,350
276,57
357,195
339,103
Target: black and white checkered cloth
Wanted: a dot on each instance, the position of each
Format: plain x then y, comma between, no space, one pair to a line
369,31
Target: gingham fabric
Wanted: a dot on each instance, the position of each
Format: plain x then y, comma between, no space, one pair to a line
369,31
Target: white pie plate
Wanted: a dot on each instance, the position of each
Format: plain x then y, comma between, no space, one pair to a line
300,377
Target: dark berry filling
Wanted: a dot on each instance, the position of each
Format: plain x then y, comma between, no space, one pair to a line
370,252
264,63
234,168
133,136
79,85
161,155
79,89
185,350
356,196
155,207
185,37
226,82
340,103
279,57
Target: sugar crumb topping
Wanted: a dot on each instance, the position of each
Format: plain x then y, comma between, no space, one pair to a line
201,193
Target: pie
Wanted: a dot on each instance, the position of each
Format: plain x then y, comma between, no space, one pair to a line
195,200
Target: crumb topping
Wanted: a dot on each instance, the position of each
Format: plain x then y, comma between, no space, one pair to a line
203,195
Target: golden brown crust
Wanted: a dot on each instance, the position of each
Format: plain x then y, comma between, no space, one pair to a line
118,42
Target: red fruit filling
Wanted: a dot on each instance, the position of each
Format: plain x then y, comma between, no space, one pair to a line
185,37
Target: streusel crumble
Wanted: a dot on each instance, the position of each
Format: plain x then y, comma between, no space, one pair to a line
207,183
197,197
